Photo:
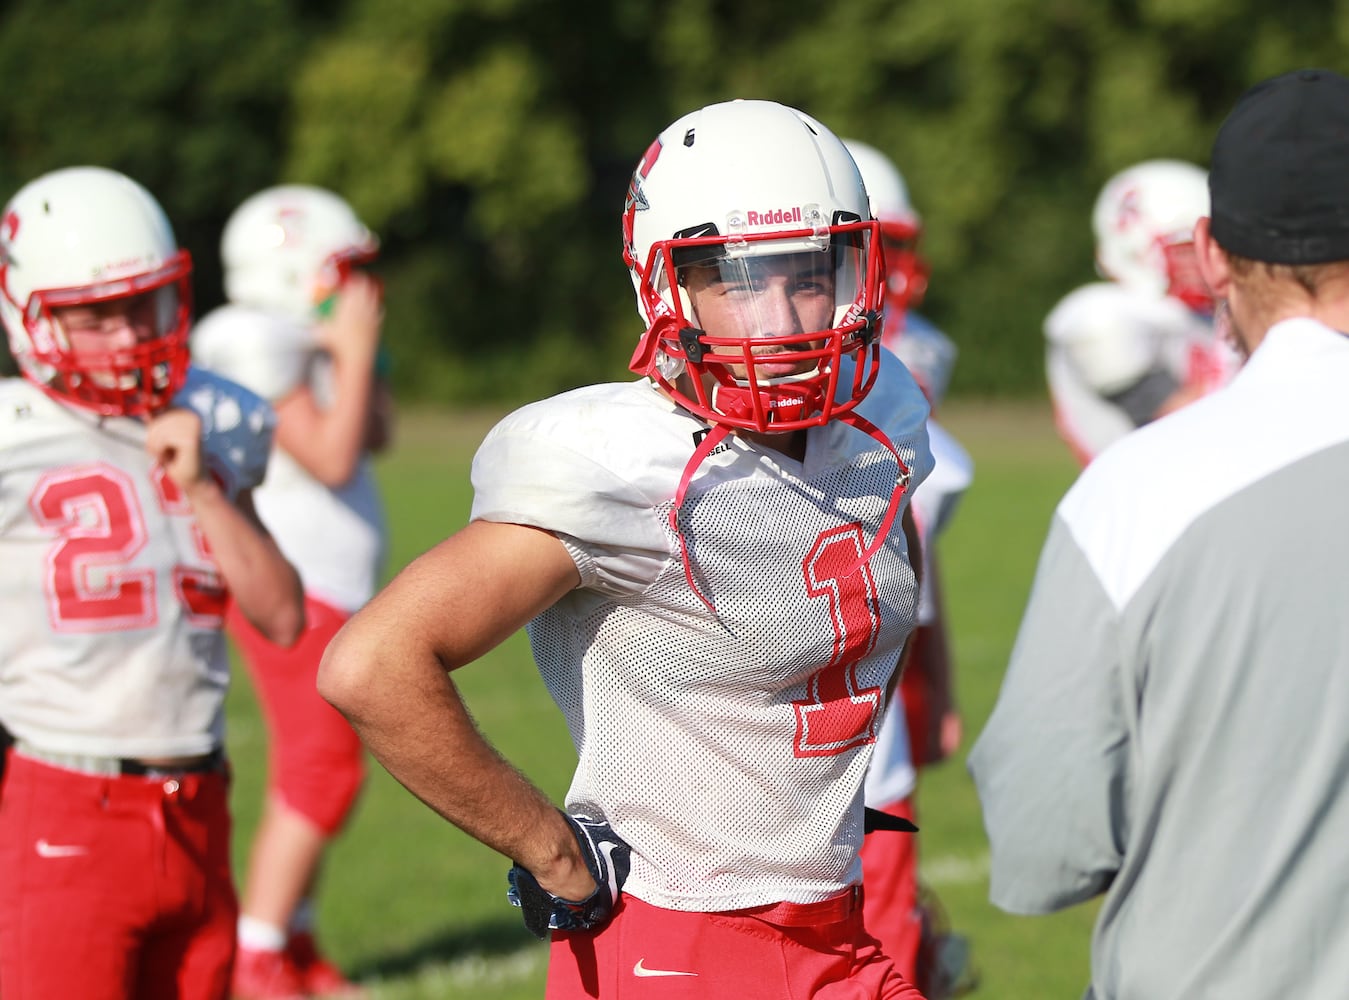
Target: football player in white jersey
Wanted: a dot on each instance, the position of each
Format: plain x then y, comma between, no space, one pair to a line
125,525
301,327
716,585
1125,351
925,727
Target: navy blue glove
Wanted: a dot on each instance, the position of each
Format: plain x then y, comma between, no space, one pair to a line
608,859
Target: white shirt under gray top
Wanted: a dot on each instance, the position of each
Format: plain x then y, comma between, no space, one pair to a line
1173,729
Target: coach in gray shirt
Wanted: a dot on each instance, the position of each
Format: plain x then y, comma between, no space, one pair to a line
1173,729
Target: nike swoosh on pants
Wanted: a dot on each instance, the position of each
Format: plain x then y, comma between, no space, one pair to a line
46,849
641,971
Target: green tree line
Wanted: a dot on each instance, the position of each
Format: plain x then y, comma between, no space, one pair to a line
490,142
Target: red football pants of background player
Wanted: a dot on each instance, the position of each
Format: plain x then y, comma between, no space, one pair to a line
315,763
114,887
814,951
890,873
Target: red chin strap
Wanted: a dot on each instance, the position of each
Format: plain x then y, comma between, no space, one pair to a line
718,434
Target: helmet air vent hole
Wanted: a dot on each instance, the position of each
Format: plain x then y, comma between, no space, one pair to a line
688,137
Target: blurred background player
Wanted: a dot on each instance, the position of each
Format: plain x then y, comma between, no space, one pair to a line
713,565
926,727
301,327
1125,351
125,522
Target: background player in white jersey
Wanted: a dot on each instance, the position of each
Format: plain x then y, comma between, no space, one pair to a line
301,327
1125,351
711,566
125,523
925,727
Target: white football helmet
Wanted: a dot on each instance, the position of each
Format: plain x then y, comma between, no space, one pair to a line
91,237
287,249
906,272
726,187
1144,225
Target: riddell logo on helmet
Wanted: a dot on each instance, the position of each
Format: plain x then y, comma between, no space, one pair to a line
775,217
117,267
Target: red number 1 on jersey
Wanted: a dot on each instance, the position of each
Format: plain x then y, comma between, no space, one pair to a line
839,715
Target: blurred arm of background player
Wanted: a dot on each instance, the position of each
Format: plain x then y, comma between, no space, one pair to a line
329,441
263,583
931,666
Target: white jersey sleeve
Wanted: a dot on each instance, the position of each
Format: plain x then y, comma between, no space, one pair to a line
575,495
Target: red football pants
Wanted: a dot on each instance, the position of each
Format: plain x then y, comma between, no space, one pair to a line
890,874
646,951
315,762
114,888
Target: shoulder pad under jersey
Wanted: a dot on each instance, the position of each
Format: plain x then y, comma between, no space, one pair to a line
926,351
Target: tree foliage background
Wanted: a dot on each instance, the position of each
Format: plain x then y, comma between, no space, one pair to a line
490,142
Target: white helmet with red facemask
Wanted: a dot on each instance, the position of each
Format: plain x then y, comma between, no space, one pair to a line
1144,223
906,272
745,188
287,249
91,239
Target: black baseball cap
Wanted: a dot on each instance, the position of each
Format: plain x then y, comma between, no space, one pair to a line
1279,174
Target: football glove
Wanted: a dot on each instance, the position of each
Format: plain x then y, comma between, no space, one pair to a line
608,859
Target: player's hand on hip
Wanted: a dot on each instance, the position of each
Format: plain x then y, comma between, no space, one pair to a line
607,858
173,439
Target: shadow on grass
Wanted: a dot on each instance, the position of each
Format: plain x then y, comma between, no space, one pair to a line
496,938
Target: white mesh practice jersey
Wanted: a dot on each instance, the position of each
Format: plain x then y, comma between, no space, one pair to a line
727,746
335,538
1102,338
110,605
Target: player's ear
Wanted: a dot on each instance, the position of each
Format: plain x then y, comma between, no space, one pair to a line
1214,266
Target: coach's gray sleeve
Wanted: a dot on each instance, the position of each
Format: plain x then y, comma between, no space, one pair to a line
1051,766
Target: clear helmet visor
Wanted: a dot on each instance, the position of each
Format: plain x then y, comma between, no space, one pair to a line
763,321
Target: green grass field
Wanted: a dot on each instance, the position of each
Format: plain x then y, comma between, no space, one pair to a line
416,909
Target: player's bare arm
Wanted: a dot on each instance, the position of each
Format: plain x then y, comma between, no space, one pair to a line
388,671
265,586
330,440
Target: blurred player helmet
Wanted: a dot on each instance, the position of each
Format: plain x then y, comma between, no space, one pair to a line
1144,225
288,249
906,272
92,237
730,187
